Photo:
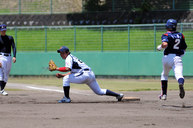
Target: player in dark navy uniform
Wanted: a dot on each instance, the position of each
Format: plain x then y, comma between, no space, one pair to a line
6,43
174,46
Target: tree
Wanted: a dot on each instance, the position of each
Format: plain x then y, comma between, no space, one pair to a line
94,5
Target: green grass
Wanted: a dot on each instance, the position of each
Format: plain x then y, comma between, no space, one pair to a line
11,89
90,40
4,11
113,84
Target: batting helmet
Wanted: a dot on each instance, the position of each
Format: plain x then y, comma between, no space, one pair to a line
171,24
3,27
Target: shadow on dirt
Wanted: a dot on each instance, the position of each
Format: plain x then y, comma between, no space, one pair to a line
177,106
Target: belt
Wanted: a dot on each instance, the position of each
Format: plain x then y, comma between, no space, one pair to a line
86,69
79,74
173,53
5,54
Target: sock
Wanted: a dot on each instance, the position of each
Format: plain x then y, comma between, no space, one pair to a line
164,87
5,84
2,84
66,91
111,93
181,81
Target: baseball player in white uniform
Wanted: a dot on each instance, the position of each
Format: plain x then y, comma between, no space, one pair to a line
174,46
80,73
6,42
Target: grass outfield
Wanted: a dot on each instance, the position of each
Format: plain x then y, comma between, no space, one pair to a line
90,39
113,84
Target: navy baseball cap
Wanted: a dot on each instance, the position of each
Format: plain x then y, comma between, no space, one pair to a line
3,27
171,23
63,49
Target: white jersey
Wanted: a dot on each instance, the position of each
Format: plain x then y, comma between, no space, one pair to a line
75,64
81,74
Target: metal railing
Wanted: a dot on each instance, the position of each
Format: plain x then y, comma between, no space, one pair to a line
120,38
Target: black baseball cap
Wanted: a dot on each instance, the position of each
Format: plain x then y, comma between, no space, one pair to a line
3,27
63,49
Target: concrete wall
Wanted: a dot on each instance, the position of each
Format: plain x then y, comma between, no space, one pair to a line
102,63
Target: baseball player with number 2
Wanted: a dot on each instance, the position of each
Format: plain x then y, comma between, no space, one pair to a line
174,46
80,73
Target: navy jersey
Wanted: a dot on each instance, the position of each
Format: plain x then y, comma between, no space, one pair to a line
6,42
176,43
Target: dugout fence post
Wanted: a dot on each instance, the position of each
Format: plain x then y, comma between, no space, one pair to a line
101,38
51,11
128,38
19,4
155,37
173,5
181,27
45,28
74,38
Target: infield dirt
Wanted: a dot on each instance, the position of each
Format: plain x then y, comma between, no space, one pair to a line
29,108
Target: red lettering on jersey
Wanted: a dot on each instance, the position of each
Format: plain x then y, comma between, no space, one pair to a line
183,36
166,34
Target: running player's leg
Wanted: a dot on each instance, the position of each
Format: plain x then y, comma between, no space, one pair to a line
178,71
164,79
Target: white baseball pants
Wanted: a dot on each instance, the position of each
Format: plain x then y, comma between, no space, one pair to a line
171,61
6,67
85,77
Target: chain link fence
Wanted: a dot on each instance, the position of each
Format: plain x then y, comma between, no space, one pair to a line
120,38
78,6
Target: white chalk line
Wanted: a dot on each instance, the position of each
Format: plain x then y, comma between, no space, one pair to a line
53,90
44,89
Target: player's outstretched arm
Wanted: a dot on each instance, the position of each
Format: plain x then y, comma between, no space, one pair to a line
59,75
63,69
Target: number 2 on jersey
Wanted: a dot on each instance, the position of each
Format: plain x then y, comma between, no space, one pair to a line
177,42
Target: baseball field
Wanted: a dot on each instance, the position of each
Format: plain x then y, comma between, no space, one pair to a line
32,103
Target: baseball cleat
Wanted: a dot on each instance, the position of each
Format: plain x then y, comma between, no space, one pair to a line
163,97
64,100
182,92
4,93
120,97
